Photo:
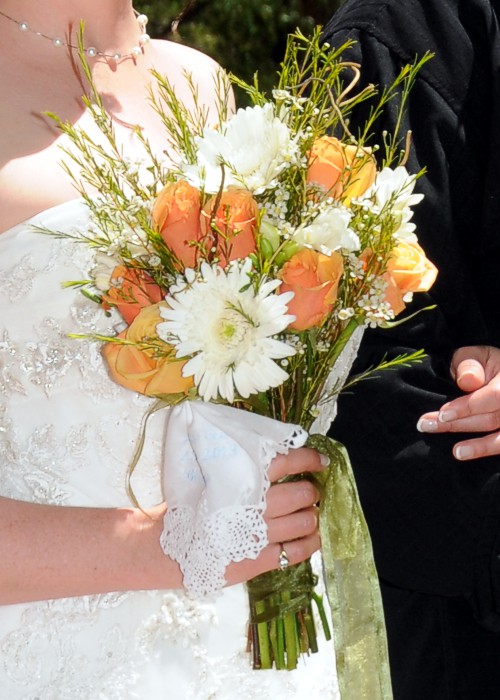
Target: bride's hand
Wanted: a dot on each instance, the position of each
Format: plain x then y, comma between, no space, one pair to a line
476,370
291,516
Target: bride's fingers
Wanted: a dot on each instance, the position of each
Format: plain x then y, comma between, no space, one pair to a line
479,447
296,551
469,375
290,515
290,497
479,423
297,461
293,526
482,401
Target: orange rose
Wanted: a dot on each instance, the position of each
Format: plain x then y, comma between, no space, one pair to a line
410,269
393,295
344,171
235,222
176,215
131,290
314,278
142,370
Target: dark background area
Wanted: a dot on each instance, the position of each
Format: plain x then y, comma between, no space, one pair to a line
242,35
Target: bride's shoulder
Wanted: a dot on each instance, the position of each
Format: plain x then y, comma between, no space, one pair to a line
177,59
184,55
183,63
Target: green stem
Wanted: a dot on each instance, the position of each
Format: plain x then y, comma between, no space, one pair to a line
310,641
279,658
264,653
291,640
273,639
322,615
282,625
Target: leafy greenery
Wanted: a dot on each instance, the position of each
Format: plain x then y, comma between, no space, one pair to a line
241,36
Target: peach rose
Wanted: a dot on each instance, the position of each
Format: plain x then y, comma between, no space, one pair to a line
344,171
131,290
410,269
393,295
314,278
236,222
143,370
176,215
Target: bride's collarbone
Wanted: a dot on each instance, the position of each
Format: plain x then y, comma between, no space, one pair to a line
32,150
31,176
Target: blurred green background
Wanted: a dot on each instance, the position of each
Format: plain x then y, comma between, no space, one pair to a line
242,35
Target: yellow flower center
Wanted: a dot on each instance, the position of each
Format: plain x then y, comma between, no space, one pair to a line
233,328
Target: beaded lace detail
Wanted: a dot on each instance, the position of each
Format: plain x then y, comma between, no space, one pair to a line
335,381
67,434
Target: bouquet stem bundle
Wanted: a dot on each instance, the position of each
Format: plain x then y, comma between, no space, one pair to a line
282,625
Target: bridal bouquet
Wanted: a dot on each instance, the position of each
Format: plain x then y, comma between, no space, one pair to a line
244,267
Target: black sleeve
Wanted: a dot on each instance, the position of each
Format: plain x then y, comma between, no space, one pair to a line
427,512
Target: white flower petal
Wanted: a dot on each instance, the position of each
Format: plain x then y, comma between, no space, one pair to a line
228,330
329,231
254,146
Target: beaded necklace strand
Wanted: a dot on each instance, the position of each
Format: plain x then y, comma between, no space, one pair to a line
90,51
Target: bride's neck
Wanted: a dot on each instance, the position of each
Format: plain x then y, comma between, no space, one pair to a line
109,25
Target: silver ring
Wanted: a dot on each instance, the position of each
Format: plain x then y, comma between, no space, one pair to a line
283,561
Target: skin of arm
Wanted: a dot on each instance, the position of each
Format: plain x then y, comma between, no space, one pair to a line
476,370
55,551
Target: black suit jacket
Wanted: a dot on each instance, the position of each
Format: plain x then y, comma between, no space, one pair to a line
435,522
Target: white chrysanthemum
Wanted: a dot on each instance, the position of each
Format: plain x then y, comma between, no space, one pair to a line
102,270
226,328
395,188
254,147
329,231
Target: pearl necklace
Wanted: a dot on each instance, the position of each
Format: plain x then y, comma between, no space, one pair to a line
91,51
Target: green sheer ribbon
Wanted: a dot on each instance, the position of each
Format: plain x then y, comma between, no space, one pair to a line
351,581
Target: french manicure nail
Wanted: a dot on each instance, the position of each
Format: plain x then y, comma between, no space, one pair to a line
447,416
468,374
427,425
463,452
325,460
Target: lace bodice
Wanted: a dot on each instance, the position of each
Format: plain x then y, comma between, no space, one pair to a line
67,434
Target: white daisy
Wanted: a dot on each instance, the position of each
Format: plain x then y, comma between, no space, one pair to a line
254,147
228,330
329,231
394,188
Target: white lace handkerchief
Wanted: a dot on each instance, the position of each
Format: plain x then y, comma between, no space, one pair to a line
215,481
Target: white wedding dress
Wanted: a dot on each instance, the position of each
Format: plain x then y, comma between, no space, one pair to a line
67,434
